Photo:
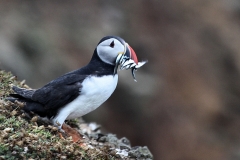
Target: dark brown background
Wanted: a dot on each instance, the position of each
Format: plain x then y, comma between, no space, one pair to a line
186,103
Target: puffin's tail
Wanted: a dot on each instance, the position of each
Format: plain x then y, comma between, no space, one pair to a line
22,93
25,96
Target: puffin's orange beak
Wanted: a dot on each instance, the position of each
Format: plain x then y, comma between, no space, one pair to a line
130,53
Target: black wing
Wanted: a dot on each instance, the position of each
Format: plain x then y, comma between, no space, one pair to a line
60,91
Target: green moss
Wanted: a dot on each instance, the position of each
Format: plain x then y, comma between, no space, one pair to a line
2,118
3,149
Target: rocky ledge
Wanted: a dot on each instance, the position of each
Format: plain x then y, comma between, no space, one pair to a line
24,137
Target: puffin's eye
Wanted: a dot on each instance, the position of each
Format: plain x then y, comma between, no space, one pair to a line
112,44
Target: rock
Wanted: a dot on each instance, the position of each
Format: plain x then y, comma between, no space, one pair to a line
122,153
27,136
124,143
111,138
7,130
140,152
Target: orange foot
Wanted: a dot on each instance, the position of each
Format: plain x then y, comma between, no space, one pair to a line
71,132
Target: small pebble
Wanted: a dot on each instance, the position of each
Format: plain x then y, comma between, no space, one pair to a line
8,130
20,143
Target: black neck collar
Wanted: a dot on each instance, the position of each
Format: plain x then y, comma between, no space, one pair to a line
97,67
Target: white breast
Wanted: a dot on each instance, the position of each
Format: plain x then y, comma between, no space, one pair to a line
94,92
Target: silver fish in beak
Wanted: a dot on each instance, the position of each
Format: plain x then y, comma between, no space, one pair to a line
128,60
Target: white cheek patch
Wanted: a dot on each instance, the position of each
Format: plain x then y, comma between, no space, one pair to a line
109,54
105,54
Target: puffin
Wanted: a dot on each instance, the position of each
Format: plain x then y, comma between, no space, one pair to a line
81,91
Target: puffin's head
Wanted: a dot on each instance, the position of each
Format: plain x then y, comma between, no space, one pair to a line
115,51
110,47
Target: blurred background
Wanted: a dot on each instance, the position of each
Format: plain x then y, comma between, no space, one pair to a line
186,103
